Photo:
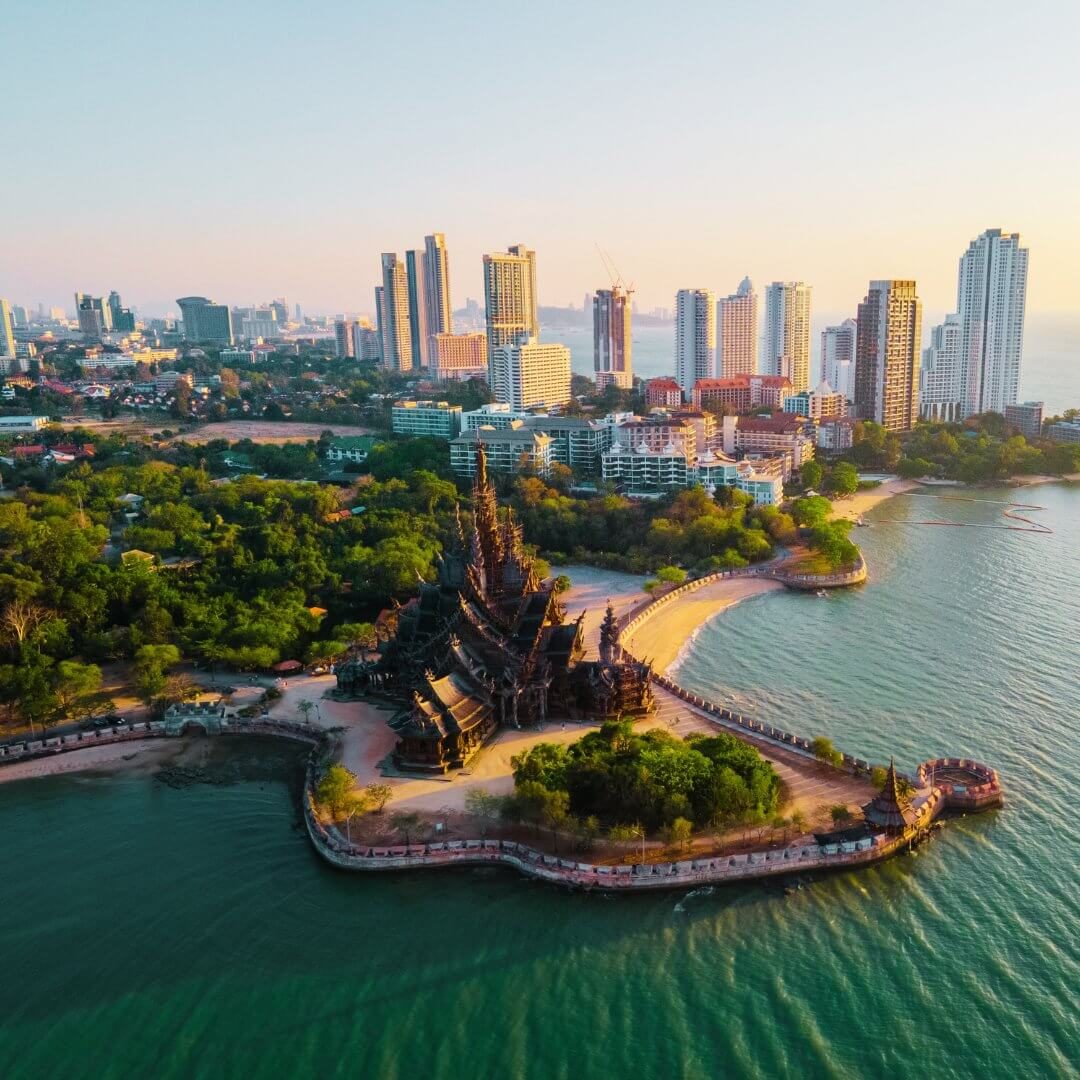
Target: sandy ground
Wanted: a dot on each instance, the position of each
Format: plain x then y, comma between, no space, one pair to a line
263,431
1031,481
149,754
662,637
862,501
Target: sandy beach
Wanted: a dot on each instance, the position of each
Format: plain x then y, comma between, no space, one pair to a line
862,501
142,755
661,638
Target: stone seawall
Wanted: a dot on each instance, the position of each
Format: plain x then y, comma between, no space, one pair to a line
682,874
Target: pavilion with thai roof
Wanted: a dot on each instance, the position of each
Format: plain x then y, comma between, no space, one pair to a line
890,809
487,644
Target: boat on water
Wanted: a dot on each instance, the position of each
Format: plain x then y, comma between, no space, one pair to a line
821,594
862,523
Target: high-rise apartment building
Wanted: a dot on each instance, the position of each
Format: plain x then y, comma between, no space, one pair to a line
416,279
991,297
344,346
942,375
440,317
94,315
397,352
121,318
7,335
612,339
530,373
887,355
19,313
510,298
838,357
280,307
695,337
737,332
206,321
787,332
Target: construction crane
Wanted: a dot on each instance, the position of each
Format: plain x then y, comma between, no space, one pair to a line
613,272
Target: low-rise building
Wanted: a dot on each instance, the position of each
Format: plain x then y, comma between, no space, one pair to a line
780,435
498,414
509,450
1064,431
354,448
835,434
1026,417
14,425
237,357
168,381
663,393
657,432
741,393
639,471
437,418
575,441
821,403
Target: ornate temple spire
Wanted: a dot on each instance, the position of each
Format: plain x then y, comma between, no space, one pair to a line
610,650
890,809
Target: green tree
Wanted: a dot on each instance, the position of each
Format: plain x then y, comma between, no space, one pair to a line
677,834
75,686
151,665
824,750
811,474
840,814
334,787
407,824
378,795
843,479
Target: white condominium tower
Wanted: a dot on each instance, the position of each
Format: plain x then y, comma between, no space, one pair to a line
838,358
7,334
393,301
440,318
695,337
787,332
887,355
737,332
530,373
510,298
991,294
941,377
612,341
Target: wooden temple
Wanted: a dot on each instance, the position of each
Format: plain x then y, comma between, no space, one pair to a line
487,644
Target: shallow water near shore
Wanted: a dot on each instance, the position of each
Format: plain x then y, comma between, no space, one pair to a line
162,931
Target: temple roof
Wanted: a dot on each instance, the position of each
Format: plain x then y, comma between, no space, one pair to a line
889,808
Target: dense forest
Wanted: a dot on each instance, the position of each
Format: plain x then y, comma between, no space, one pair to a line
651,778
111,564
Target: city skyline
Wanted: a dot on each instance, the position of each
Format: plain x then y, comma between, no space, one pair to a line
281,225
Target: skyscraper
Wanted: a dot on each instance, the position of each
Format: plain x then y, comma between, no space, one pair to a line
280,307
942,383
838,357
530,373
991,296
344,344
397,354
440,319
416,279
887,344
7,334
510,298
612,339
206,321
787,332
94,315
695,337
737,332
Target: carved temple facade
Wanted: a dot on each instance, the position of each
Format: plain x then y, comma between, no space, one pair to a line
487,644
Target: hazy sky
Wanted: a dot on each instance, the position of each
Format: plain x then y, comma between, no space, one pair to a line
243,150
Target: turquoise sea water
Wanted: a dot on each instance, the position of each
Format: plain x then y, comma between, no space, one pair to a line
151,932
